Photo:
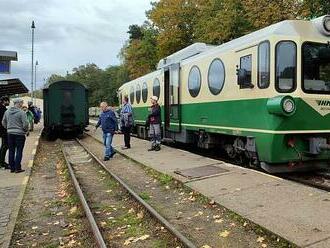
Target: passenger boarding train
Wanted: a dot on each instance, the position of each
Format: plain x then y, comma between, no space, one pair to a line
264,97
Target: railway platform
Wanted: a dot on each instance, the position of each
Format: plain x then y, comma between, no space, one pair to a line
12,188
297,213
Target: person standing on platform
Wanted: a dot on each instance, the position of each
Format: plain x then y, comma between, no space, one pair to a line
154,120
4,102
108,122
29,116
126,122
17,125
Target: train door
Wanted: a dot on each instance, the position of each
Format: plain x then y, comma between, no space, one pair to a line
172,99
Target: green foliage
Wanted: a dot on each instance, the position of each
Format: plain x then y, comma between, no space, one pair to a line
175,24
102,84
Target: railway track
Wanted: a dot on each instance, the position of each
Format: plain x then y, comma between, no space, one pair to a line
78,156
318,179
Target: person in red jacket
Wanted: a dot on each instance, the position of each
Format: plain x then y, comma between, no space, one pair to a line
155,120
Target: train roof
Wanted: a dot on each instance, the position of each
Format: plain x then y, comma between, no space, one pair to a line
288,28
63,82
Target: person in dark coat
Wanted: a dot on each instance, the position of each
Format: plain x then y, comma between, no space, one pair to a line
108,122
4,102
17,125
126,121
154,120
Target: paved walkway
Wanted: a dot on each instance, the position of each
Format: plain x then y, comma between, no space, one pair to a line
12,187
295,212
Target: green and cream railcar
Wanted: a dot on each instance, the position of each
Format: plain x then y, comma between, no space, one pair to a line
264,96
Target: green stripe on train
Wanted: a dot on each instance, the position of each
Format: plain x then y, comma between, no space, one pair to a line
251,118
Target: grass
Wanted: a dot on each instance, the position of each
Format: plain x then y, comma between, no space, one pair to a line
145,196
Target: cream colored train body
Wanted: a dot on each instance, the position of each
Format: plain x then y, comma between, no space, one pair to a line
264,97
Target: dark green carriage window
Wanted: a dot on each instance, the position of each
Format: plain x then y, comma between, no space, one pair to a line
156,88
131,95
286,66
264,65
316,68
138,93
144,92
194,81
246,64
216,76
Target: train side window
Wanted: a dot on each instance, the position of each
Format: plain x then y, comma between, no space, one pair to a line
216,76
131,95
194,81
156,88
144,92
286,66
138,93
244,72
264,65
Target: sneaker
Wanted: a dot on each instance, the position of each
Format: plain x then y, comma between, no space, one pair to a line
151,149
12,171
19,171
125,147
106,158
113,154
157,148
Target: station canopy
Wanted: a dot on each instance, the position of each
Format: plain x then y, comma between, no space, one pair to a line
11,87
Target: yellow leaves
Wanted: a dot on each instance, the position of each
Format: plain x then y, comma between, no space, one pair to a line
73,210
224,234
206,246
140,215
260,239
134,240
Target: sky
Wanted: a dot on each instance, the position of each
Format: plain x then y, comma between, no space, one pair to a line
68,33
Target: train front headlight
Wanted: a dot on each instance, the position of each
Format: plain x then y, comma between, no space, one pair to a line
288,105
281,106
326,23
322,23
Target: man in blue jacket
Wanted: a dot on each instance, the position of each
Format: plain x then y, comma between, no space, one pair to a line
108,122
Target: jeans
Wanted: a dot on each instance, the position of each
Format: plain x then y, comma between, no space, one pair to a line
3,149
107,141
15,145
127,136
155,134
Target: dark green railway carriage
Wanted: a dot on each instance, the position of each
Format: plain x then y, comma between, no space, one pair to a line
65,109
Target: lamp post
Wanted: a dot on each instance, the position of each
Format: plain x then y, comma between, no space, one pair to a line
32,62
35,80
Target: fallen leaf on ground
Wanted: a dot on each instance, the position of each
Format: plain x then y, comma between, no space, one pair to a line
260,239
34,227
59,213
73,210
218,221
263,245
216,216
131,211
128,241
224,234
206,246
140,215
245,224
143,237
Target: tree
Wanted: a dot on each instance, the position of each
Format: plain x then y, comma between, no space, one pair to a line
139,55
314,8
175,21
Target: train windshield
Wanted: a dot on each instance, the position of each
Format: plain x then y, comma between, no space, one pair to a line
316,68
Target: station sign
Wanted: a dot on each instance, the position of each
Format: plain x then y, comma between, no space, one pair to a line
5,66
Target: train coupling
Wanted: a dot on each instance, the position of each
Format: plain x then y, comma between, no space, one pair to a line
317,145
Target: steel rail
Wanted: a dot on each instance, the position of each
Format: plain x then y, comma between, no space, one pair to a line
95,229
150,209
308,182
